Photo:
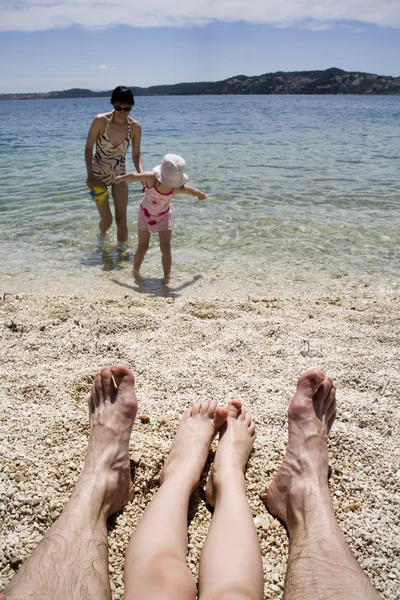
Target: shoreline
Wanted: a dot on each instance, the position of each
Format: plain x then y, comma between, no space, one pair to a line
182,349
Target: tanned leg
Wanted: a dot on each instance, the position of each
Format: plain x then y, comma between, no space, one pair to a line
142,247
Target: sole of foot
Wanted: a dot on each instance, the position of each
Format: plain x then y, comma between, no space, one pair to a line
112,412
311,414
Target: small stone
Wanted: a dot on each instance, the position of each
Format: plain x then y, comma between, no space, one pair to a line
15,561
54,515
136,456
144,418
354,507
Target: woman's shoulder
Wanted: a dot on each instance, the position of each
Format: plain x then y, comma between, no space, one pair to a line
134,125
103,117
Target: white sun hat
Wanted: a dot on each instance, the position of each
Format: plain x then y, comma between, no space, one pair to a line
170,172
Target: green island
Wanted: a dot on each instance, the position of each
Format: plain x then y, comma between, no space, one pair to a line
329,81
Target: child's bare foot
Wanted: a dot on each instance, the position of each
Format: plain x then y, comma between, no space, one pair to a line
112,411
167,278
302,477
236,440
189,451
137,276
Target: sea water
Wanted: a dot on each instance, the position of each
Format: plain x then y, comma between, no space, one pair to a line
303,193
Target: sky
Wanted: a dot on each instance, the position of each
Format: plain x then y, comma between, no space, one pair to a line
50,45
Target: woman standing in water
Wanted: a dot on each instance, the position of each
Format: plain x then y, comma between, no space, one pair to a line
112,132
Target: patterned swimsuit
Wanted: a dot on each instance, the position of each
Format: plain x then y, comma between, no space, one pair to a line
155,213
109,161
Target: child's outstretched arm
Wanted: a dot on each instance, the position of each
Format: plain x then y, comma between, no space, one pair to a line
136,178
191,191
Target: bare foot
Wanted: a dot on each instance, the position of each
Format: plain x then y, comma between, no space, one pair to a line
189,451
301,481
236,440
112,411
167,278
137,276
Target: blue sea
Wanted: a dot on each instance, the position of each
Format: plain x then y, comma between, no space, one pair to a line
303,196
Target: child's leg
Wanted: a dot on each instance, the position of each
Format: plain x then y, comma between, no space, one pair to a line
165,247
143,246
155,565
231,564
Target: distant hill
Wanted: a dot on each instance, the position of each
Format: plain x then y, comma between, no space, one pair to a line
330,81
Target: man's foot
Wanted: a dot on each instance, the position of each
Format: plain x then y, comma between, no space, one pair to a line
236,440
136,275
112,411
189,451
167,278
301,481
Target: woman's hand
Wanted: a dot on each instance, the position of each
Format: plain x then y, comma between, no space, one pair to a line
90,182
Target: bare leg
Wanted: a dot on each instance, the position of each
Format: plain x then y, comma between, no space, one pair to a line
166,256
143,246
155,566
230,565
120,197
71,562
321,564
106,217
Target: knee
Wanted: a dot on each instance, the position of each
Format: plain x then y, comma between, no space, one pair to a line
142,248
164,574
165,248
121,221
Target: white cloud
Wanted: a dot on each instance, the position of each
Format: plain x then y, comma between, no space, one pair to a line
37,15
102,68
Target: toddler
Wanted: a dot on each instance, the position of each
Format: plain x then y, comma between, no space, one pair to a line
154,214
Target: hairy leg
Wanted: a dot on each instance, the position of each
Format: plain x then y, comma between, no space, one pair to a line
321,564
120,197
166,256
155,566
142,247
231,565
71,561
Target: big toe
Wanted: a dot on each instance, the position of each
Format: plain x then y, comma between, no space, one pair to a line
121,373
310,381
220,417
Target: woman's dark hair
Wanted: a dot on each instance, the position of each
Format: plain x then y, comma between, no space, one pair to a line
122,94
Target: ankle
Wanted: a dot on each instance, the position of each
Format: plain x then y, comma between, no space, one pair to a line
308,504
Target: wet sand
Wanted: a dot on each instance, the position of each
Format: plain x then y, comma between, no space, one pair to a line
183,350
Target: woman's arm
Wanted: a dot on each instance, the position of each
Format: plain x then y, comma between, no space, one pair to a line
191,191
136,178
95,129
136,134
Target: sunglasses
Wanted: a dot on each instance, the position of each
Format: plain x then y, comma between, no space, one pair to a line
119,108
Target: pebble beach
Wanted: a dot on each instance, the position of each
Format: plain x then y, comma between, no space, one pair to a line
187,349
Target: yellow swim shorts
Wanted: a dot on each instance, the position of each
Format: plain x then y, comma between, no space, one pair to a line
99,194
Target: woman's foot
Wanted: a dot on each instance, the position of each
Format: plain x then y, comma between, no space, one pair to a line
302,478
236,440
112,411
189,451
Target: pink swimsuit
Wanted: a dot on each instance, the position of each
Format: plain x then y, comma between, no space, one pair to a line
155,213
